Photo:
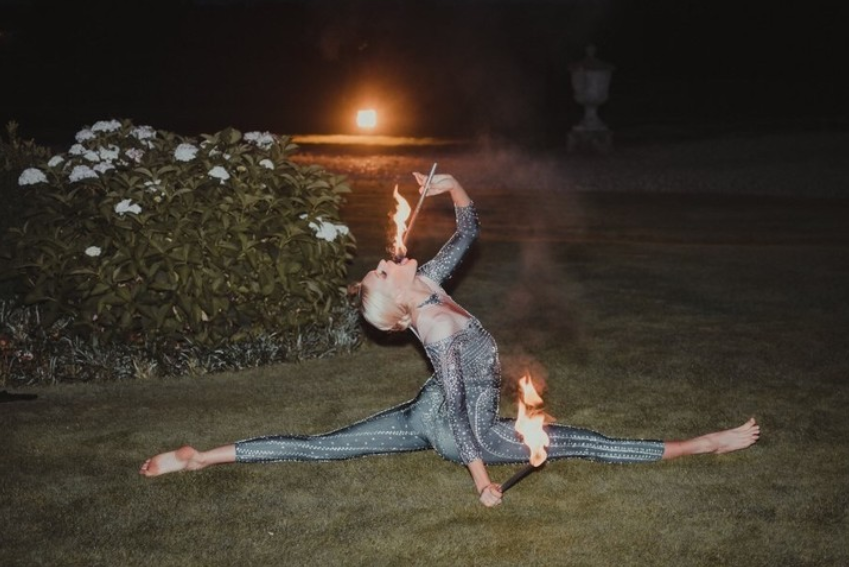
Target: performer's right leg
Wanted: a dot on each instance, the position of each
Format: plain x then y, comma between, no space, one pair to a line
390,431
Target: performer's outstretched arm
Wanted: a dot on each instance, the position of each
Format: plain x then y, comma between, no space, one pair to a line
452,252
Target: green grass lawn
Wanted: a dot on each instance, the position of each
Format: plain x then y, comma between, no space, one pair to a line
651,316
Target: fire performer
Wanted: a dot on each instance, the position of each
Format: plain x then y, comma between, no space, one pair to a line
456,411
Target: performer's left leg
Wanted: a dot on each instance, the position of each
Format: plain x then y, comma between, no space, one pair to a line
501,444
576,443
718,442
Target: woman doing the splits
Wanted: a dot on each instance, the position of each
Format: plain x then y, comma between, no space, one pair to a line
456,411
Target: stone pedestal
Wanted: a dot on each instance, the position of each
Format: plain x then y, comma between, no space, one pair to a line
590,141
591,86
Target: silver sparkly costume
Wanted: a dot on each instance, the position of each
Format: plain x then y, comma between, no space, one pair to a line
456,411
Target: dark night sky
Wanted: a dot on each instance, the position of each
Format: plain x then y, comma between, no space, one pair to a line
459,68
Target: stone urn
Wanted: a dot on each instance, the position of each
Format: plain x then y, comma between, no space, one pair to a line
591,86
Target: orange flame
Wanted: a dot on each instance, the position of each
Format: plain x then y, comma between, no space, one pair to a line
402,213
530,420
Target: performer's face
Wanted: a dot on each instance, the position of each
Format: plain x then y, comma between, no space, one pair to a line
391,278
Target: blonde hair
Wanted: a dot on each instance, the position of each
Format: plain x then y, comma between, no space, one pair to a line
383,310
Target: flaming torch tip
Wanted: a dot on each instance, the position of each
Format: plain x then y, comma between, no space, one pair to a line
529,424
402,213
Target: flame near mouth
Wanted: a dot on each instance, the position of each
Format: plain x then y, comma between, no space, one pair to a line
402,213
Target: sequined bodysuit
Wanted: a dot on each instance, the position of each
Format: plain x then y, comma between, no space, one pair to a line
456,411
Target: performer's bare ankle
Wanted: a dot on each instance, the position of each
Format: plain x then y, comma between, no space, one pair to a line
193,458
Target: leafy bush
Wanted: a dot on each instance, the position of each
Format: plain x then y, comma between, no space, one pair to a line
139,236
32,353
15,156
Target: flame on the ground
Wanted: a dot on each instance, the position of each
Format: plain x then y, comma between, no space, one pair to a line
402,213
530,420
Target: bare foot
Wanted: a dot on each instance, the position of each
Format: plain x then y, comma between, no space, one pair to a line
732,439
183,459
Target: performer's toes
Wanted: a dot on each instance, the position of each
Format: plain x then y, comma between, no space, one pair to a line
144,468
735,439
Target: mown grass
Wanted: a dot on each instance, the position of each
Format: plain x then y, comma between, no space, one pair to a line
650,316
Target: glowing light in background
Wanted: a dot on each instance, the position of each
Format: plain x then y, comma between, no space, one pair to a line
367,119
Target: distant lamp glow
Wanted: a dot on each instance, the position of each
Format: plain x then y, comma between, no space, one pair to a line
367,118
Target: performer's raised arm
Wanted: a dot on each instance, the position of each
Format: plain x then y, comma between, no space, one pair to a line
449,257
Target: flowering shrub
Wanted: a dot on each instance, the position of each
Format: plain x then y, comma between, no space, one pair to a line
138,235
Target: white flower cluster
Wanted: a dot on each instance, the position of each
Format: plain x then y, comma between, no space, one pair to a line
102,157
88,159
84,134
153,186
326,230
81,172
93,251
106,126
185,152
262,140
143,134
127,206
31,176
219,173
134,154
108,154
